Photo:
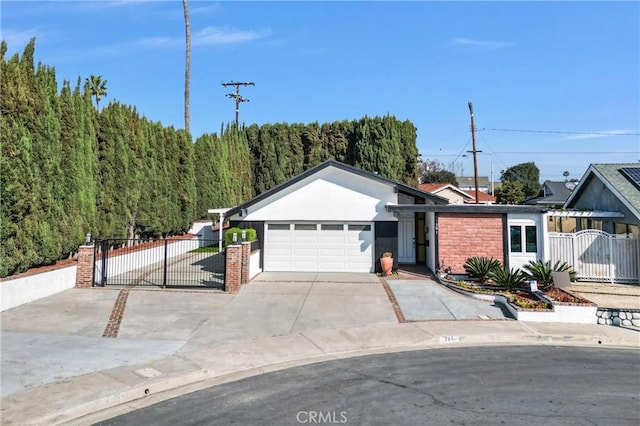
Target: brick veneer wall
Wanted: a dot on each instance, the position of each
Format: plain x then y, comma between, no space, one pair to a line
245,263
465,235
233,275
84,274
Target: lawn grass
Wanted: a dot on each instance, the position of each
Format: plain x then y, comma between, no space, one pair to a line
210,249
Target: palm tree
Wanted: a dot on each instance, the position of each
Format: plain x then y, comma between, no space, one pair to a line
187,72
98,87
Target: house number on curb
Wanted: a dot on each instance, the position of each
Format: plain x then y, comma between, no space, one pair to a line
449,339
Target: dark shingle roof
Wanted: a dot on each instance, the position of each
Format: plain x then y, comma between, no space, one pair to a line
553,193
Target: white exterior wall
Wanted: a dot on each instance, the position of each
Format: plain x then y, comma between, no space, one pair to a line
204,229
431,238
33,287
454,197
331,194
254,264
518,260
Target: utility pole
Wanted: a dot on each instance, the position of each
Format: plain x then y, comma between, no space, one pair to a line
236,95
492,183
475,160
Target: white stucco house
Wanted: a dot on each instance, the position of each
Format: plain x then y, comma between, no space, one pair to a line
335,217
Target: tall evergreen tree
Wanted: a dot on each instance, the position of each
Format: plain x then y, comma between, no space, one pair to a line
187,191
204,178
311,138
19,178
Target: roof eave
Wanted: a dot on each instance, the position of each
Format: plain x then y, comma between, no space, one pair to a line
467,208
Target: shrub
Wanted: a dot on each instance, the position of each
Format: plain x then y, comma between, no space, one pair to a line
481,267
250,235
512,279
543,272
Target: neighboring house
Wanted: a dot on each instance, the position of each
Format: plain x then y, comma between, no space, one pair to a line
552,194
484,184
604,245
335,217
456,195
608,198
483,198
446,190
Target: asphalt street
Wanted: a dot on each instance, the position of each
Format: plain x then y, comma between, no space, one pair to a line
473,385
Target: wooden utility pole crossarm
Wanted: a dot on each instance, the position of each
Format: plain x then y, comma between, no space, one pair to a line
236,94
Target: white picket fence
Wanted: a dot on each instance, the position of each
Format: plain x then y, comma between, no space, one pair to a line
598,256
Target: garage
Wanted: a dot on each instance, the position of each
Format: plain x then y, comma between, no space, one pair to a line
323,247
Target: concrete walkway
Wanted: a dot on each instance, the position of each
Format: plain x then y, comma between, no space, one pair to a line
607,295
426,300
56,367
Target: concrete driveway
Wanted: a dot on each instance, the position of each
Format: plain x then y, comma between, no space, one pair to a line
157,323
68,326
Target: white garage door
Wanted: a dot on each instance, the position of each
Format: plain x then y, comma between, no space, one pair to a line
318,247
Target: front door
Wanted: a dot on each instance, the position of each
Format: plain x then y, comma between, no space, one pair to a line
407,240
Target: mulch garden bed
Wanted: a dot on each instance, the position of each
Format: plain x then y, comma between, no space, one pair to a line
561,296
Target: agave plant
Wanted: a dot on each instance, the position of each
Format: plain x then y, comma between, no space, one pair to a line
511,279
543,272
481,267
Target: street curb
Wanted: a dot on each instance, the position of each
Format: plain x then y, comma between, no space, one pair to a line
159,390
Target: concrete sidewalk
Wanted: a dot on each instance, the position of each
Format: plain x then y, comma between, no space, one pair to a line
171,342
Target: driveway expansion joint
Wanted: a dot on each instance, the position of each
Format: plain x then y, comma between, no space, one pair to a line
394,302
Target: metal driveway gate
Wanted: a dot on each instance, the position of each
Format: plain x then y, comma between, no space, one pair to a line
598,256
170,262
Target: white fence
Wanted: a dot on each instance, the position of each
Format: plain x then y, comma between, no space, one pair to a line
598,256
18,291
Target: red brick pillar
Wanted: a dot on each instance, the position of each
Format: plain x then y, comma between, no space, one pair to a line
84,273
232,279
246,261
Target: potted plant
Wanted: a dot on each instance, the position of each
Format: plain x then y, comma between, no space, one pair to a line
386,262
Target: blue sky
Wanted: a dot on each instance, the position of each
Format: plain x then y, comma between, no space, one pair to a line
542,66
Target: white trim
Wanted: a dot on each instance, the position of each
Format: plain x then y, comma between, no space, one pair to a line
579,213
220,212
454,188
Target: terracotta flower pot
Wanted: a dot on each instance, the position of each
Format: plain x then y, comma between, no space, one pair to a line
387,264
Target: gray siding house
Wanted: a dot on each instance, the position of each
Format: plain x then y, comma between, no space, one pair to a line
609,188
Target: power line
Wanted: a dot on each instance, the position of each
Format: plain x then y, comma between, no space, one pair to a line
545,153
567,152
561,132
493,152
460,153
